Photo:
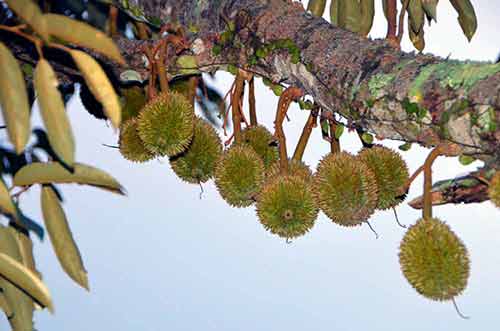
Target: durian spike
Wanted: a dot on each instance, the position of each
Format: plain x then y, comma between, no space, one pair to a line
458,310
306,134
427,210
251,102
373,230
334,143
290,94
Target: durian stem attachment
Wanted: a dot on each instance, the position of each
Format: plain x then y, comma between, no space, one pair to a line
237,94
226,109
427,210
417,172
289,94
402,20
373,230
334,143
458,310
391,16
306,134
161,49
251,102
112,21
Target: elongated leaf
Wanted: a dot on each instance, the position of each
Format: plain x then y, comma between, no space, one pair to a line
53,172
14,99
29,11
62,240
334,12
4,305
417,39
316,7
22,277
20,303
6,204
466,17
53,113
367,15
350,15
416,15
100,85
82,34
25,249
430,9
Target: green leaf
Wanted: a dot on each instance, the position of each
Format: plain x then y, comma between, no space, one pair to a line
416,15
62,240
82,34
405,147
29,11
349,15
466,17
367,15
14,100
466,159
53,113
6,204
334,12
53,172
430,9
367,138
338,131
99,85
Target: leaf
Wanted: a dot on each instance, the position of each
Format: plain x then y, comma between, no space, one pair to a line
20,303
31,14
62,240
418,41
83,34
316,7
14,100
338,131
334,12
367,138
405,147
6,204
53,172
53,113
367,15
22,277
430,9
99,85
416,15
25,249
466,17
349,15
466,159
4,305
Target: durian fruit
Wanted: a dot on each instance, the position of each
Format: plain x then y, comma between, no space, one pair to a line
261,141
494,189
345,189
294,168
391,174
165,124
239,175
131,146
434,260
286,206
132,100
197,163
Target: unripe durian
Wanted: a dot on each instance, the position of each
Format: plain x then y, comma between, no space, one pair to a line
295,168
434,260
166,124
286,206
345,189
494,189
239,175
261,141
131,146
132,100
197,164
391,174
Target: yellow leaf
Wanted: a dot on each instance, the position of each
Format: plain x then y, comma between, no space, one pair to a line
53,172
82,34
466,17
99,85
4,305
6,204
53,113
14,99
62,240
31,14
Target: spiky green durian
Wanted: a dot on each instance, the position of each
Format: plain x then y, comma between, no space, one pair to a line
261,141
494,189
131,146
391,174
286,206
239,175
132,100
166,124
434,260
345,189
294,168
197,163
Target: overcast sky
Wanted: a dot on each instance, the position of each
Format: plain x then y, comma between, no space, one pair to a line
162,259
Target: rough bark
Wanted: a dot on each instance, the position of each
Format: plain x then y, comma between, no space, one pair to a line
395,95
